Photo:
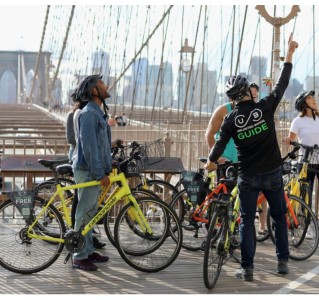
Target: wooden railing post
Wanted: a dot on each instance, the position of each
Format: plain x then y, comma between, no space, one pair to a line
167,145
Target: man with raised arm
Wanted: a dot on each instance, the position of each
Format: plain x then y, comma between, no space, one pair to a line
252,126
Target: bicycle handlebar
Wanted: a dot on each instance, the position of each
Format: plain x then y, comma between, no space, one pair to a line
308,150
292,154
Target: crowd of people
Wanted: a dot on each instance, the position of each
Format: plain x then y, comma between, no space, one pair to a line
241,130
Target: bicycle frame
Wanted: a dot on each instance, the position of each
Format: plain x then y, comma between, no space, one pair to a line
115,196
200,212
235,216
294,185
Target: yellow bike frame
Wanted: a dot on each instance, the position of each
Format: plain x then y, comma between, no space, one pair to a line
119,193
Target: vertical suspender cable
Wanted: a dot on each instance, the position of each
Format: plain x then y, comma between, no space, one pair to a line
232,42
62,52
143,45
40,51
191,69
314,45
241,39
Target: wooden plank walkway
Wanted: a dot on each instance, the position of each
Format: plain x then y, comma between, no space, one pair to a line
183,277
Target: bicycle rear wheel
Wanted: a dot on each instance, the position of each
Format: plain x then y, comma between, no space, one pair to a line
45,190
306,194
18,252
303,237
144,251
161,188
214,251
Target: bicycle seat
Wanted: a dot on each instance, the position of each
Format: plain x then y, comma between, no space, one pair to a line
52,163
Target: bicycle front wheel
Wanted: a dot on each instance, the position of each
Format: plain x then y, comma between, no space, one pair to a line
214,251
143,250
18,252
110,217
194,233
303,236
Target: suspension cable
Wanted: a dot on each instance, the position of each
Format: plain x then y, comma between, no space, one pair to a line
142,47
40,52
62,52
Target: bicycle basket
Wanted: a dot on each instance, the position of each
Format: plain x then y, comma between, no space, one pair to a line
313,165
134,168
194,185
153,152
286,168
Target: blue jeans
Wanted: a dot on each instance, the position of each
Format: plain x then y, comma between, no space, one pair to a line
85,210
271,185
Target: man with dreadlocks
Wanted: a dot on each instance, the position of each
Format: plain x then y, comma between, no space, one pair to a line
92,162
252,127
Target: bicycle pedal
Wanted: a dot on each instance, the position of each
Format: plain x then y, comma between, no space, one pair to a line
67,258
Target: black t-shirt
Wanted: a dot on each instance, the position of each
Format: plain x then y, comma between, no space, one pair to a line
252,126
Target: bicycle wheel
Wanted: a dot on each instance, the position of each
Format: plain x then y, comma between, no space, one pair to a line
306,194
110,217
148,252
194,234
303,238
18,252
163,189
214,252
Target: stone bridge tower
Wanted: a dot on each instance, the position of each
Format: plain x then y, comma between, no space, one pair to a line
17,73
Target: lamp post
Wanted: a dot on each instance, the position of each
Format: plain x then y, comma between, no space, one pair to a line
186,67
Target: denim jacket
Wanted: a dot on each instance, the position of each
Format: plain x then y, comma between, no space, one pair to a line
94,142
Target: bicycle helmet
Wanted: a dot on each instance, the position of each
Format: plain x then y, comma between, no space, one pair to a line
74,95
85,88
254,85
237,87
301,100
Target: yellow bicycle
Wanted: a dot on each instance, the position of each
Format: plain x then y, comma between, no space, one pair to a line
298,184
33,232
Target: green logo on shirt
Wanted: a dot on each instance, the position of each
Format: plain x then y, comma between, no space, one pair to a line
246,134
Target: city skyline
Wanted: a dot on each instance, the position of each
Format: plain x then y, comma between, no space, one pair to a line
207,28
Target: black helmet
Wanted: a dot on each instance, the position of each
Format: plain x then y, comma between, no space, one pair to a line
85,87
74,95
254,85
300,99
237,87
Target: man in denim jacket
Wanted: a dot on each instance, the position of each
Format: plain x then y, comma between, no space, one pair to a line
252,127
93,162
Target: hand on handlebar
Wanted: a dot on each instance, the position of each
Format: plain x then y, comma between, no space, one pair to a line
210,166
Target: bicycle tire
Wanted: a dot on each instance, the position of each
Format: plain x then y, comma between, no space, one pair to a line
301,247
161,188
194,236
110,217
214,251
144,253
306,194
31,255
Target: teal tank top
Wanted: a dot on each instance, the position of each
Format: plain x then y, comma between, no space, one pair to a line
230,152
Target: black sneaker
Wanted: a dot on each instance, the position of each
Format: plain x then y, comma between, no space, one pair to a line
97,244
282,267
245,274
